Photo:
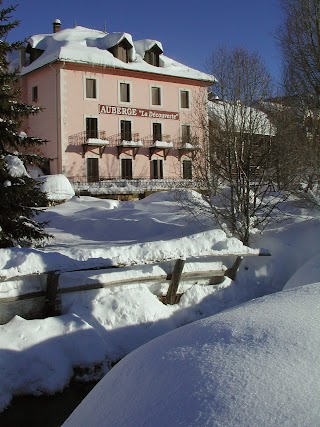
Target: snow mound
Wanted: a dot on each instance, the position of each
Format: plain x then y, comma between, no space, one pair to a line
38,357
15,166
57,187
34,171
254,365
307,274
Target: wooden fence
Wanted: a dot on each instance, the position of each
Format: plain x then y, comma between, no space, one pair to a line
47,301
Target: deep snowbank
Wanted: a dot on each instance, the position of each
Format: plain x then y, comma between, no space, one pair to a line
38,356
255,365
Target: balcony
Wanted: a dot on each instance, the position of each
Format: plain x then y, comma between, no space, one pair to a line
186,145
124,140
94,139
158,142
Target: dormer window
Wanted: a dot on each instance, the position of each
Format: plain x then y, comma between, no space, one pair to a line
121,51
152,56
34,53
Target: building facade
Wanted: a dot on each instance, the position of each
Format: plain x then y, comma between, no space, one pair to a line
112,108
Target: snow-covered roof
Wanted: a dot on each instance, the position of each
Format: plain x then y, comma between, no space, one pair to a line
142,46
86,46
245,119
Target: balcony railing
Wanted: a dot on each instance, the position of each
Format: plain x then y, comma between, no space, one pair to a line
191,142
187,143
121,138
118,185
82,137
150,140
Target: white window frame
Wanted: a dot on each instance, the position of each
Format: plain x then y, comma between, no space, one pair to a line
130,91
85,77
189,98
161,96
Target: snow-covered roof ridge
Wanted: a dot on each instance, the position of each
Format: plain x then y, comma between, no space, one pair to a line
112,39
87,46
142,46
246,118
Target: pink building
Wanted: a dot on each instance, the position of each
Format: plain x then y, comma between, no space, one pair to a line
114,109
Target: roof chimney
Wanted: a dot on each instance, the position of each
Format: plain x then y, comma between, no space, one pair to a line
56,25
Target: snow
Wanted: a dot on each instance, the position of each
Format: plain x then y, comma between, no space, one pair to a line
162,144
227,360
57,187
87,46
34,171
142,46
125,143
15,166
38,356
130,233
255,365
247,119
308,273
97,141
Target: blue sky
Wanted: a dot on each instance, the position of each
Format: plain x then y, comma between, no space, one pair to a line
189,31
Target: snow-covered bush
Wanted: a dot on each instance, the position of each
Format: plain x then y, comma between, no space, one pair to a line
56,187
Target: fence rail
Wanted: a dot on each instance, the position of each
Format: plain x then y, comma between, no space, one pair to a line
48,299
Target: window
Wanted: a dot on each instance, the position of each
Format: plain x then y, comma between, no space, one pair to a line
157,132
152,56
184,99
92,170
125,129
126,168
124,92
121,51
91,88
35,93
186,134
157,169
91,127
187,169
123,54
155,96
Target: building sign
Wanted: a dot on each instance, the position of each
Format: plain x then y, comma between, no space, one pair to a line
137,112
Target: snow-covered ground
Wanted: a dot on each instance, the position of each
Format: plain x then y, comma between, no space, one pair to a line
102,326
255,365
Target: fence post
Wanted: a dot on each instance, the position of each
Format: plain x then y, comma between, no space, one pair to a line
232,271
51,307
174,283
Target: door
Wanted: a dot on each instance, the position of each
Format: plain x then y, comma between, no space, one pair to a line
126,168
187,169
186,134
157,132
157,169
91,127
92,170
126,134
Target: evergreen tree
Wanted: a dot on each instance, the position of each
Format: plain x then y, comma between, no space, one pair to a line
19,193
